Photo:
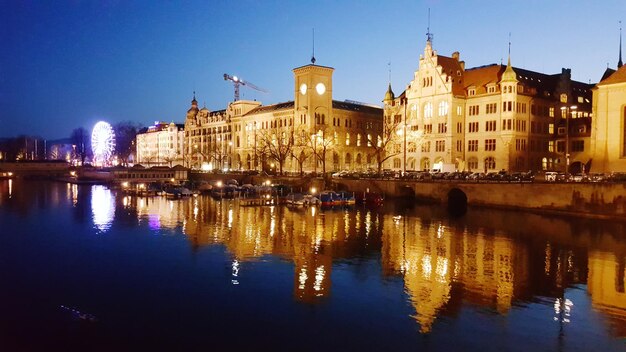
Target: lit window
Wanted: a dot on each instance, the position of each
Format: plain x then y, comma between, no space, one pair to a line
443,108
428,110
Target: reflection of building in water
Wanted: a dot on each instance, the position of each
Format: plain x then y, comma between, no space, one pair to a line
312,240
431,259
607,274
159,212
493,268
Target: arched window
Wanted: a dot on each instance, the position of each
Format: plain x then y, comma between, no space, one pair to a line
358,160
335,161
443,108
397,163
358,140
490,163
347,138
428,110
472,164
348,160
412,148
425,164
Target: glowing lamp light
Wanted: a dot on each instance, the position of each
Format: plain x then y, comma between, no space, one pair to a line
73,173
142,186
268,182
206,167
219,184
10,174
172,180
313,190
125,184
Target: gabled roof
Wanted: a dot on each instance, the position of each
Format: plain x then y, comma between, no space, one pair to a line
607,73
618,76
450,66
481,76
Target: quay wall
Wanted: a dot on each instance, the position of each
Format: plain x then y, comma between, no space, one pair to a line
602,200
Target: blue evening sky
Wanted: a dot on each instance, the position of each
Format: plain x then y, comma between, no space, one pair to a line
66,64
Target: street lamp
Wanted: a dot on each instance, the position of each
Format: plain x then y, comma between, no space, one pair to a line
567,110
314,137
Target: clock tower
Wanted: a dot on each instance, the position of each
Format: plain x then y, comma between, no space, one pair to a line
313,95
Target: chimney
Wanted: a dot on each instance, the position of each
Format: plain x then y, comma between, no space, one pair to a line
462,64
455,55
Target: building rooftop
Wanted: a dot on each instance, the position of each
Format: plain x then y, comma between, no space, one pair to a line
543,85
618,76
342,105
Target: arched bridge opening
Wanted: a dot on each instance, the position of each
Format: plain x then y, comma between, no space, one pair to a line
457,202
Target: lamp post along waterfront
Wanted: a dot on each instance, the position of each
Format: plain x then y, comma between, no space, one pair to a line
568,110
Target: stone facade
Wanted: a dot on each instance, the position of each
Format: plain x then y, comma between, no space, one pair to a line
488,118
609,128
161,144
312,133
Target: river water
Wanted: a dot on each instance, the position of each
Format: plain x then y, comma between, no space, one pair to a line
86,268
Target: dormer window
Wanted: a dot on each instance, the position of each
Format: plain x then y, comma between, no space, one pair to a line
471,92
491,89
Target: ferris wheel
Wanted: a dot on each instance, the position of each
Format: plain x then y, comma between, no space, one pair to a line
102,143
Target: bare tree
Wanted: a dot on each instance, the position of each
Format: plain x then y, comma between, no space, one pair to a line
381,146
81,143
302,150
169,158
277,143
125,134
321,143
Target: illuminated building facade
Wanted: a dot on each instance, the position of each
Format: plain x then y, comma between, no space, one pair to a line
609,132
161,144
288,136
487,118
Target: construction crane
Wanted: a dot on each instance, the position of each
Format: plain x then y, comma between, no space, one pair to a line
240,82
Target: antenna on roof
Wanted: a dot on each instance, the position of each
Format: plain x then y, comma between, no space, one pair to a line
509,44
313,55
429,36
619,62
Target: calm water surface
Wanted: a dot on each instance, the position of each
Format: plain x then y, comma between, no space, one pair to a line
86,268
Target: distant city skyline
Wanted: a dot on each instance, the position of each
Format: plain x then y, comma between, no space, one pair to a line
70,64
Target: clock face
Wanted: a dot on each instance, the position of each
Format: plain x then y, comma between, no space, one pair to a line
320,88
303,88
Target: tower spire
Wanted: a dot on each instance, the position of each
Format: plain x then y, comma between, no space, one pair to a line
313,55
619,62
429,36
509,74
509,62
